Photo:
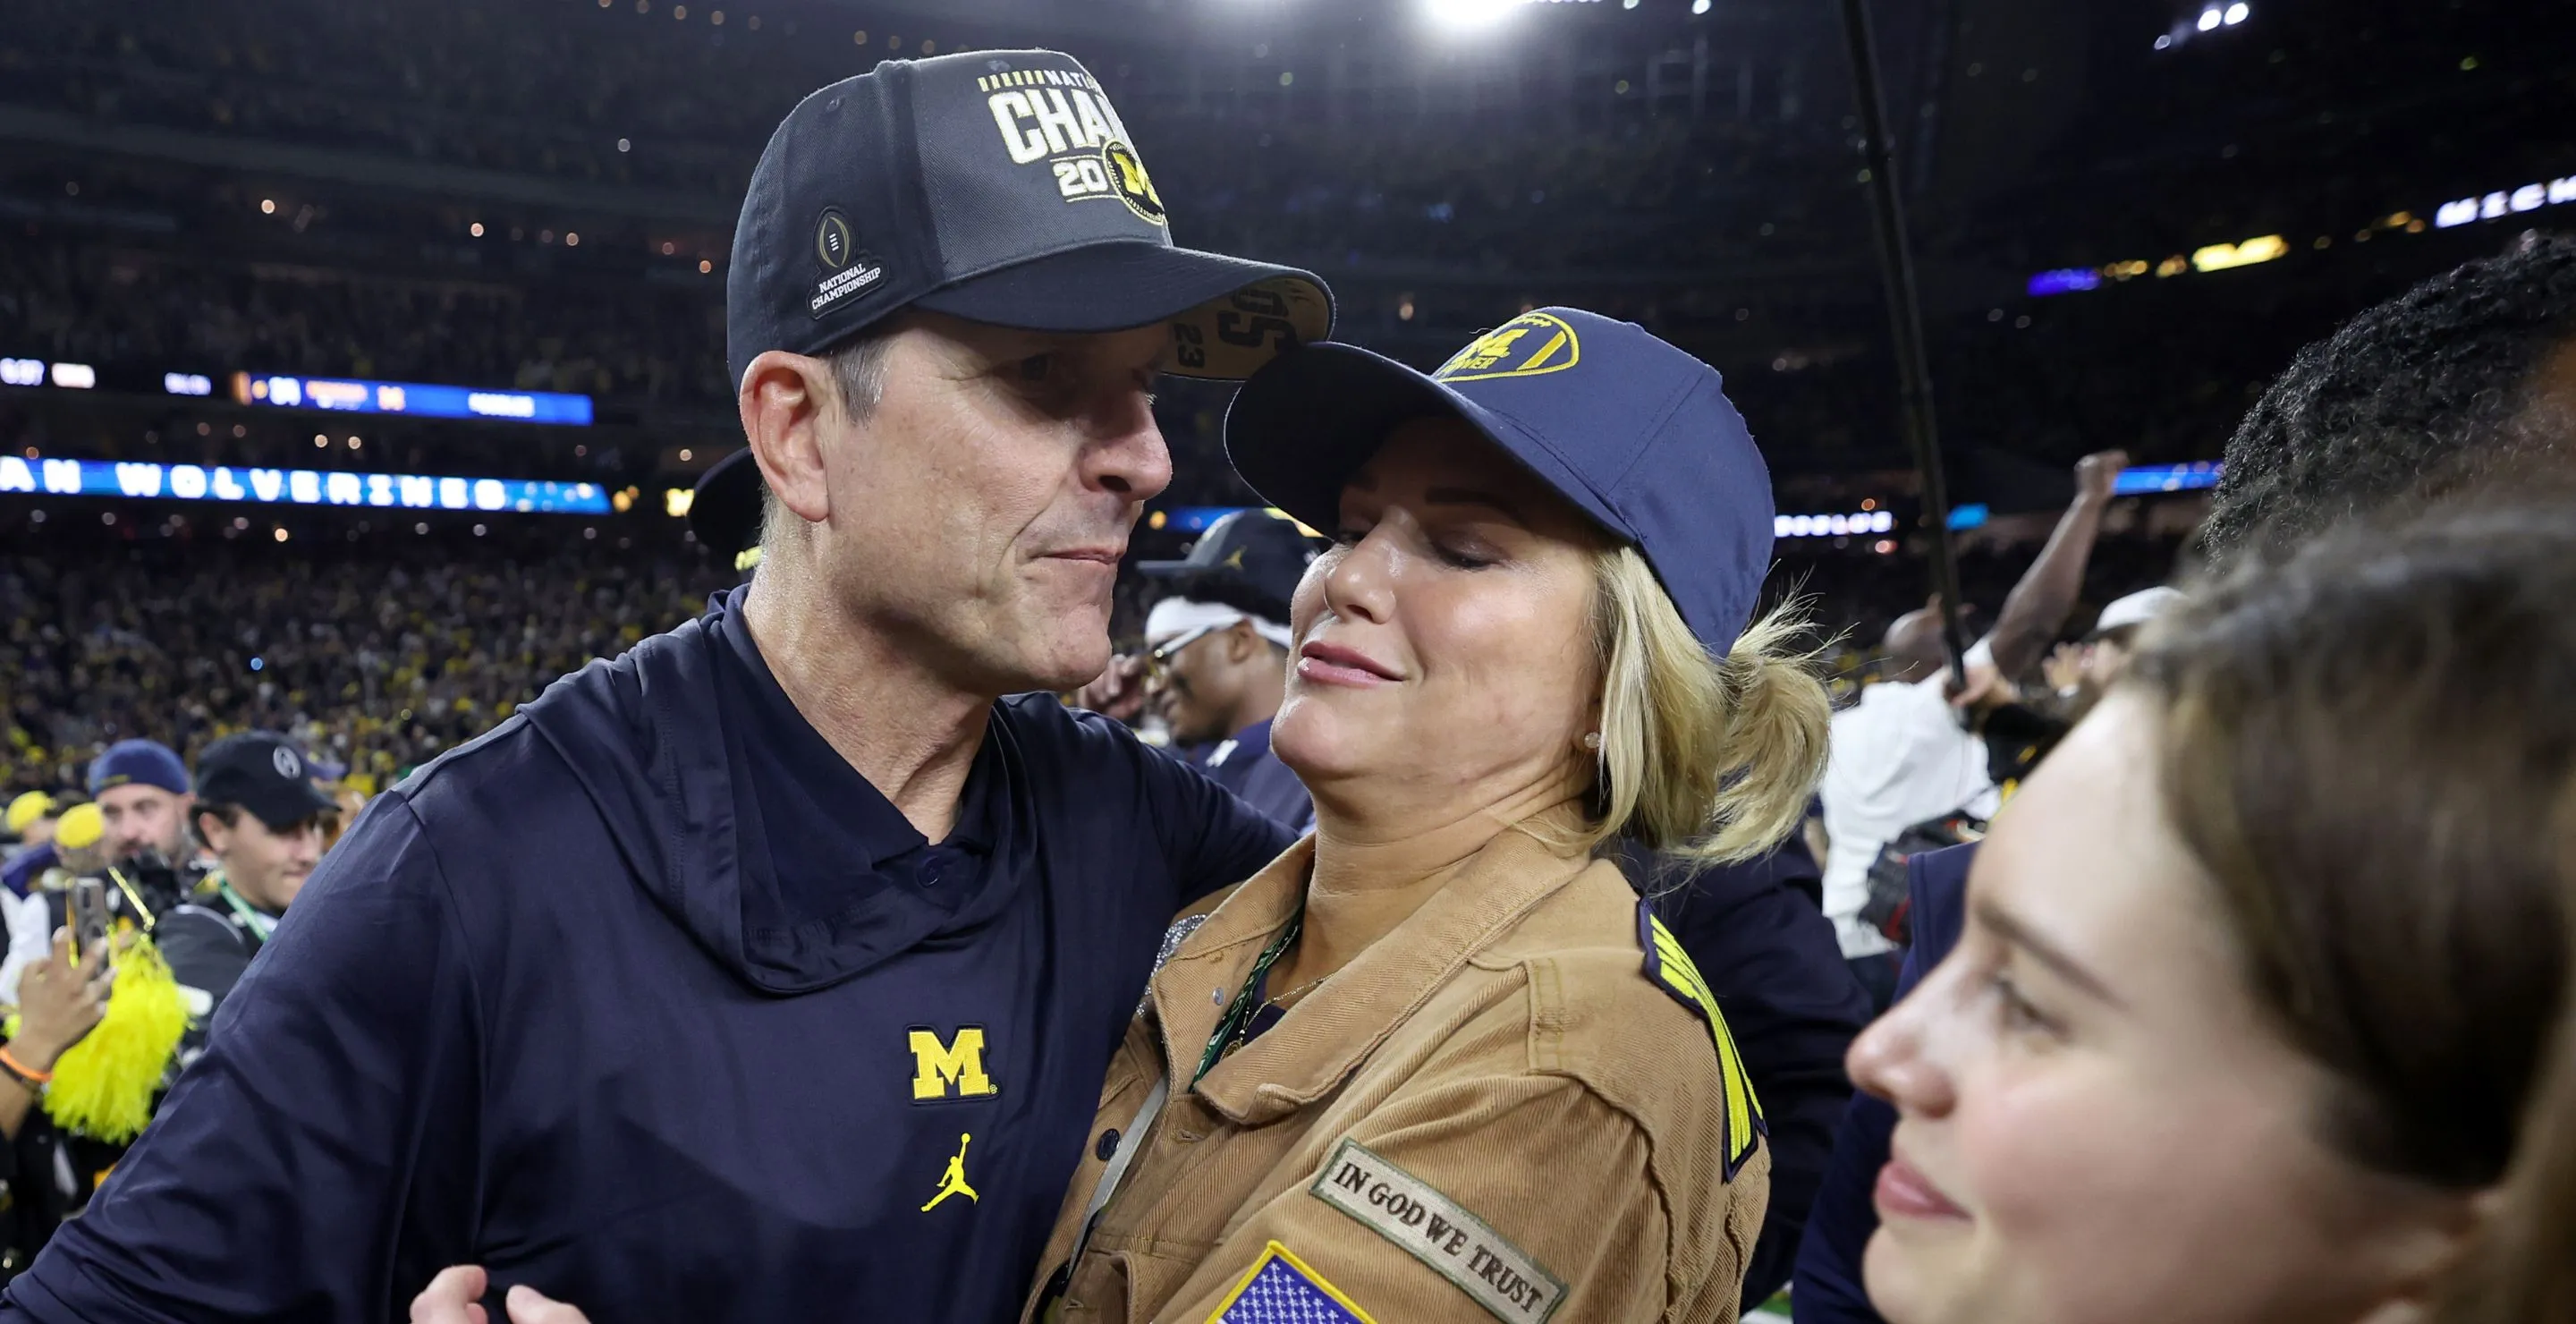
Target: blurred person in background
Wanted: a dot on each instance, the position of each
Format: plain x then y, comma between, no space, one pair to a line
57,1002
31,820
53,1167
142,790
774,966
2081,673
2269,1062
1217,655
2467,376
78,849
263,822
1907,751
2465,379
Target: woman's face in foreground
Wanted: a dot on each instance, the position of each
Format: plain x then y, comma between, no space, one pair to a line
2095,1124
1444,643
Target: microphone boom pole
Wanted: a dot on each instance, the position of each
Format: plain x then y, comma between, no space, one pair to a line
1905,325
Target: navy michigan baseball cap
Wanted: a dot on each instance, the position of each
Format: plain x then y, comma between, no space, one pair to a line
1261,549
1633,431
998,186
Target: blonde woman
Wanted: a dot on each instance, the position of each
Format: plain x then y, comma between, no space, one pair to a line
1435,1063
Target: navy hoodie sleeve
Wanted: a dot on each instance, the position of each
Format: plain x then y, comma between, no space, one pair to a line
320,1162
1212,839
1829,1289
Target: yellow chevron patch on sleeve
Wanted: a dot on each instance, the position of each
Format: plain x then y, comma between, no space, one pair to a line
1672,970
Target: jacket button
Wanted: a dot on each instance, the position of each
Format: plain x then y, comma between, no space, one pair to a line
1108,1145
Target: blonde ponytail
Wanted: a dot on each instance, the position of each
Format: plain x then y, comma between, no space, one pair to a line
1709,759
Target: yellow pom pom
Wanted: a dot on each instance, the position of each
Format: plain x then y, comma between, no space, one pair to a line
103,1086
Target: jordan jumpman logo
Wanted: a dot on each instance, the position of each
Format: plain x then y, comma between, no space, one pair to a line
953,1181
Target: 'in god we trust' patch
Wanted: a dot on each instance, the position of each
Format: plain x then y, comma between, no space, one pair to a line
1434,1229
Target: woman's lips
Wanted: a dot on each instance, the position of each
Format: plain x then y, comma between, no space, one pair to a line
1905,1193
1332,664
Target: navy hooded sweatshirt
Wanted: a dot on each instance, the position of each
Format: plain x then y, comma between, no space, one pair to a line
647,999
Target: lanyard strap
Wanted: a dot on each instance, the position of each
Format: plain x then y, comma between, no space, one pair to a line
1247,1000
260,925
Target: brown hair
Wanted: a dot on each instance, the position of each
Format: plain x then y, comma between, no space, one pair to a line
2371,747
2522,1268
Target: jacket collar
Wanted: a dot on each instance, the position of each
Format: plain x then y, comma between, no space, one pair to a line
1323,1039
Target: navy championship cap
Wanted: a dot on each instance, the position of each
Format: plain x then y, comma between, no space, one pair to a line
998,186
264,773
1633,431
1259,548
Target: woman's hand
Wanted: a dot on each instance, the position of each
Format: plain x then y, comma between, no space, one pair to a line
451,1298
59,1003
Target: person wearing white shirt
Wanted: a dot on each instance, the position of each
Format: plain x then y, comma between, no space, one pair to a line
1907,751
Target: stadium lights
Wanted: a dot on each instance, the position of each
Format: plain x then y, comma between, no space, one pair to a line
2210,19
2237,13
2504,202
1464,14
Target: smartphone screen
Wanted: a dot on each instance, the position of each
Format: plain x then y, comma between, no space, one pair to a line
89,916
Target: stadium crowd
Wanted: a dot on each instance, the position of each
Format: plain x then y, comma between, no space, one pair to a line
377,658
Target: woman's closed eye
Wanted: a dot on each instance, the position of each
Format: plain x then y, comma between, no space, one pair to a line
1460,553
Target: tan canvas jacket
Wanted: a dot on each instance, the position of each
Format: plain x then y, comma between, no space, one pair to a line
1506,1109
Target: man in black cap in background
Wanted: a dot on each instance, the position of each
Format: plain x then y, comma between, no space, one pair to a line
262,819
1217,659
770,971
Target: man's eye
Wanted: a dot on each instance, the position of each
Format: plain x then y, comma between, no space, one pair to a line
1036,367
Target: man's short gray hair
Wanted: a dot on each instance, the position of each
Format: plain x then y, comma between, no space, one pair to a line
858,367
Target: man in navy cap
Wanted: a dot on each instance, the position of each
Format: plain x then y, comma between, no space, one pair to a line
142,789
1217,659
769,972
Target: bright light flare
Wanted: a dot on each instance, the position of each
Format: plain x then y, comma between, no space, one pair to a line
2237,13
2210,19
1465,15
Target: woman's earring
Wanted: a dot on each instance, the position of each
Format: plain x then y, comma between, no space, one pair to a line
1592,741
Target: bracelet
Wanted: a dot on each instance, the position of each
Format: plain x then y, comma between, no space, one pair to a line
26,1075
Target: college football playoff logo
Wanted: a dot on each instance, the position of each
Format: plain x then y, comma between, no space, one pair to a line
832,245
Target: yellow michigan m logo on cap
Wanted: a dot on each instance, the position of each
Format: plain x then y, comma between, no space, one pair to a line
1525,346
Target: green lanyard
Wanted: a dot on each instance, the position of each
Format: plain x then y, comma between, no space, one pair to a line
260,925
1247,1001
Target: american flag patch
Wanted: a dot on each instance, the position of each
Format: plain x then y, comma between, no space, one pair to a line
1282,1290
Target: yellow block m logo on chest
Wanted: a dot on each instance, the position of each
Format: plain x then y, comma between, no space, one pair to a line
951,1069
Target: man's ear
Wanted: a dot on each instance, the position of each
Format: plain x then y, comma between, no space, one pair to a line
1243,643
787,401
211,830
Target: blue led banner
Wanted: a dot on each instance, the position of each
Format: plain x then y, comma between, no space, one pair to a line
2145,479
294,487
411,398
